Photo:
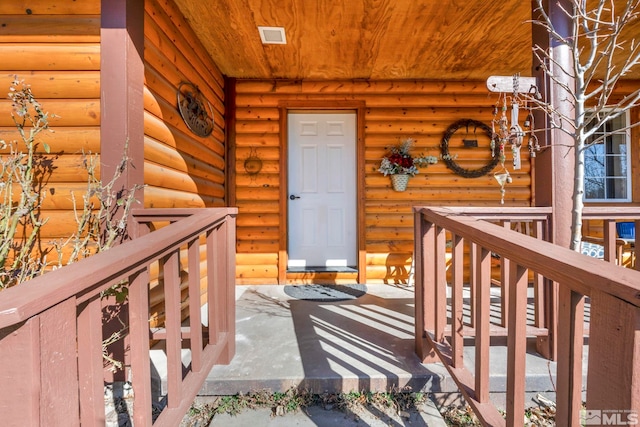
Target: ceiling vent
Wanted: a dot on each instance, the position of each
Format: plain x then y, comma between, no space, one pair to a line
272,35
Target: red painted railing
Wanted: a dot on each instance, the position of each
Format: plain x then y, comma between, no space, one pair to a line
613,246
51,328
613,294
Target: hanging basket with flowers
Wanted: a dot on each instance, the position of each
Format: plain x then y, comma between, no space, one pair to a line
399,164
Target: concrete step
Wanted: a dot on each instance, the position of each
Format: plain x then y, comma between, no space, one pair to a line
359,344
426,415
354,340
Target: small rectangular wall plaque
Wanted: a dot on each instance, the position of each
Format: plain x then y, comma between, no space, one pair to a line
470,143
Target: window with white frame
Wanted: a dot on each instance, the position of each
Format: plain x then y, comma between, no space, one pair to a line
607,167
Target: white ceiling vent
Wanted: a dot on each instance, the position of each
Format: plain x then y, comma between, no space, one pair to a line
272,35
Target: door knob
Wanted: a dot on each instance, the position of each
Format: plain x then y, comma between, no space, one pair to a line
292,197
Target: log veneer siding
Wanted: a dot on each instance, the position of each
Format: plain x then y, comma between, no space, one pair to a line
393,110
181,168
55,48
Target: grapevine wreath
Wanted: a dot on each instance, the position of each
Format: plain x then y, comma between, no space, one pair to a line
450,160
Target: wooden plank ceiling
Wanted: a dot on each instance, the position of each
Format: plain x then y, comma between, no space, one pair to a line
366,39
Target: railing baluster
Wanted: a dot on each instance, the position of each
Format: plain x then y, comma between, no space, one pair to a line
90,366
516,344
610,247
220,282
440,296
457,283
569,367
139,334
504,284
173,343
538,288
634,255
195,315
473,256
483,312
544,304
212,267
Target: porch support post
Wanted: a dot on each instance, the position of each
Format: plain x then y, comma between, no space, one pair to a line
554,171
121,93
554,166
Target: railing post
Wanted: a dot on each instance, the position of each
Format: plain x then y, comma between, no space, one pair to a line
424,256
221,294
227,293
614,358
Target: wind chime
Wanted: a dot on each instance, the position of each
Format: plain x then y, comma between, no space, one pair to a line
507,132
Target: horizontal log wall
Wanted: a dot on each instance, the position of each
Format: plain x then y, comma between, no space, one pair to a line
55,48
394,110
181,169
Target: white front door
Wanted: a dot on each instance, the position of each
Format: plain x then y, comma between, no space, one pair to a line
322,190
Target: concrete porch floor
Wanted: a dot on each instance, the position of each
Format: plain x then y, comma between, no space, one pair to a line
362,344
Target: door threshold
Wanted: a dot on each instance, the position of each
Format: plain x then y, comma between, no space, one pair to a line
312,269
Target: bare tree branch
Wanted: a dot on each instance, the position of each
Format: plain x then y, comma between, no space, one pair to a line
604,51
